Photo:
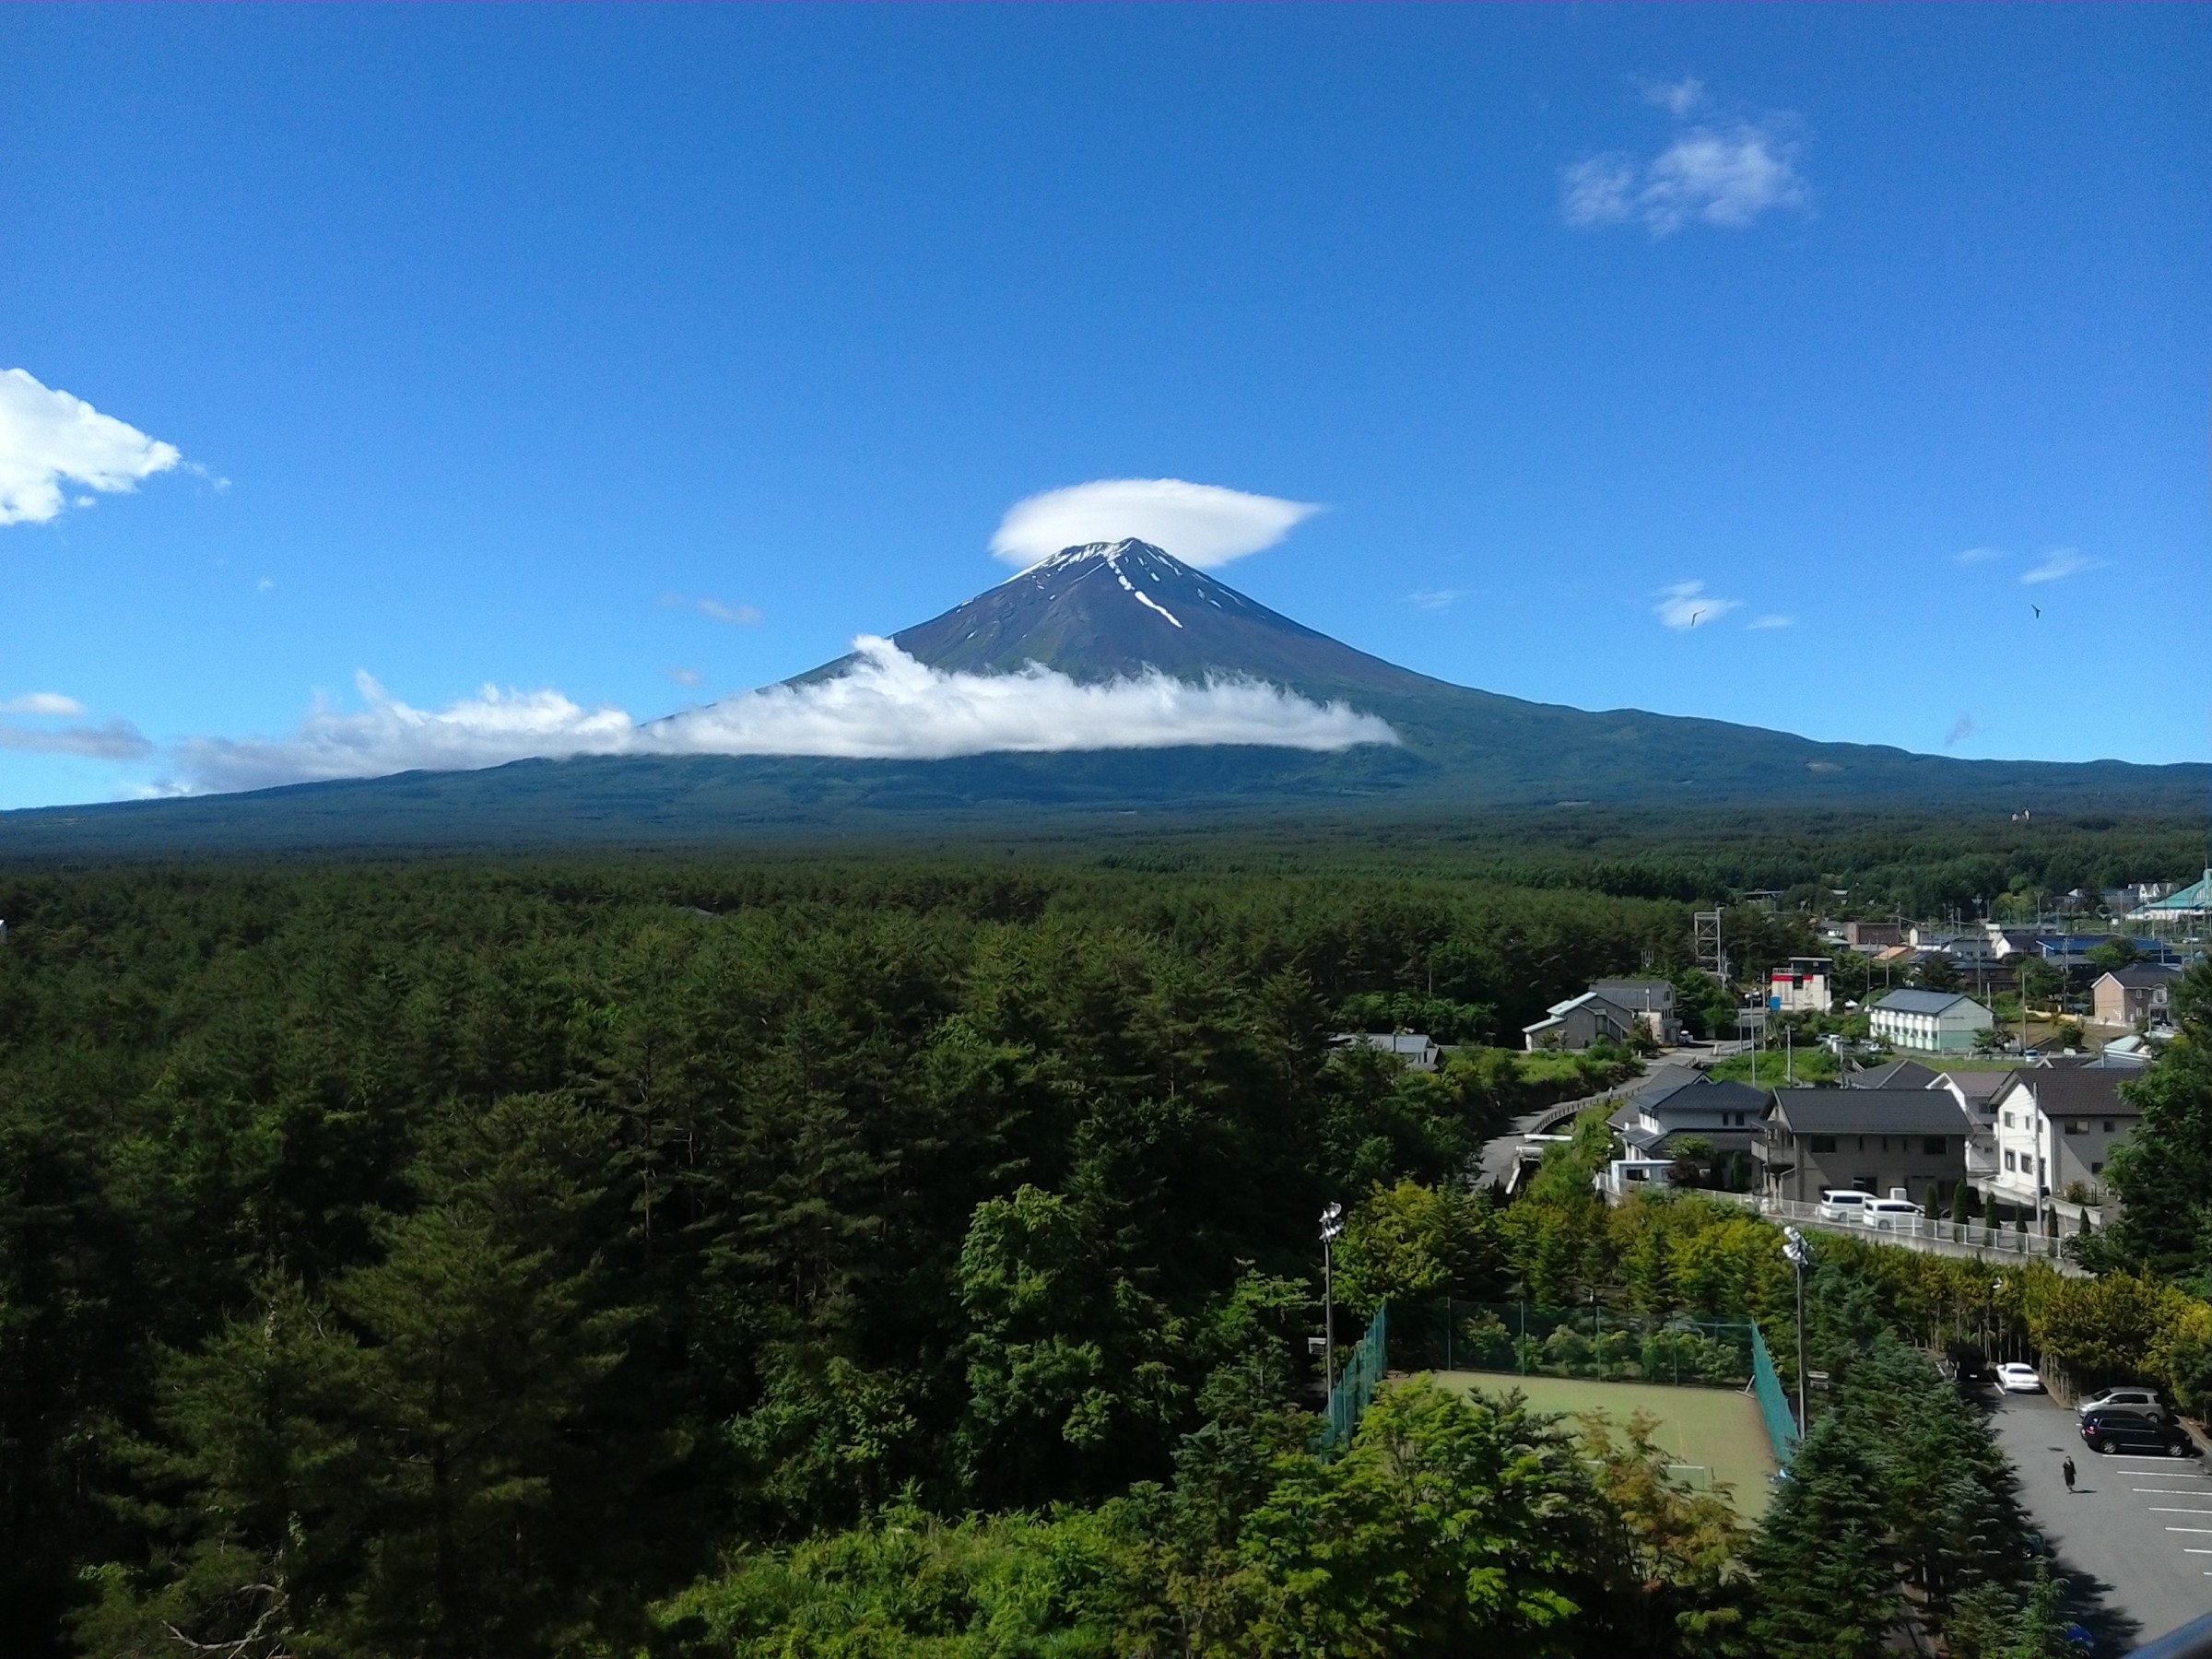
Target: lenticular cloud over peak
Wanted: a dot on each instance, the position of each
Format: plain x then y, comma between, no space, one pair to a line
1203,524
887,706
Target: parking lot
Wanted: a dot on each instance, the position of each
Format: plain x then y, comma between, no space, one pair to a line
2135,1532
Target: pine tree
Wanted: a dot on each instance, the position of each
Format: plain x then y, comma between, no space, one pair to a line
1826,1587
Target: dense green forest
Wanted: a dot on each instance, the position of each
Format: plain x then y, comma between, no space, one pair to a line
718,1256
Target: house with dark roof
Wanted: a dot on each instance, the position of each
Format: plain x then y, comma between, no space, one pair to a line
2054,1129
1580,1021
1877,1140
1896,1074
2139,994
1933,1022
1655,1122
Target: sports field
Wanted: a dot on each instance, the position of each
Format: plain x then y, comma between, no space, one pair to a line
1713,1428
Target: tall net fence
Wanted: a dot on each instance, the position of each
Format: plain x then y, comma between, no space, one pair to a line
1774,1404
1355,1384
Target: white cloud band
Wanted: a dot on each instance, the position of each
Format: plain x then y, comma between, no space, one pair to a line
47,437
1202,525
887,706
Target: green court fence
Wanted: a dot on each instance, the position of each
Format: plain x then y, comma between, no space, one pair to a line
1774,1404
1356,1385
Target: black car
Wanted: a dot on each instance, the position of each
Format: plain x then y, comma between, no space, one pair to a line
2110,1429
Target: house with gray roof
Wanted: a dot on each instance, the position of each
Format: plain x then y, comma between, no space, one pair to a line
1651,1000
1580,1021
1877,1140
1932,1022
1417,1049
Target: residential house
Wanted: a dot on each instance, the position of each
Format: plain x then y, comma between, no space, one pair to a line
1877,1140
1651,1000
1580,1021
1932,1022
1802,987
2139,994
1654,1122
1873,936
1897,1073
2054,1129
1418,1050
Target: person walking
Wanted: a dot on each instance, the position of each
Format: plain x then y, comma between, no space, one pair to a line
2066,1468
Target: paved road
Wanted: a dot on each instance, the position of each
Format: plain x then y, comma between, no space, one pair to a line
2136,1531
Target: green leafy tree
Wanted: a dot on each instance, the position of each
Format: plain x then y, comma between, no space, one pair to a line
1068,1362
1453,1524
1415,1243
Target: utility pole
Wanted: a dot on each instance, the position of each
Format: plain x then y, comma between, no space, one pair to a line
1800,1251
1331,1229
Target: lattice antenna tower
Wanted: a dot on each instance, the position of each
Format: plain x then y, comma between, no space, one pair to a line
1712,957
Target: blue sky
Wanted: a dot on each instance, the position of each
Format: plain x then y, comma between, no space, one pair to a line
651,355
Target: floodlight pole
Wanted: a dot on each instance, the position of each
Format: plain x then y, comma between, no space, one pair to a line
1800,1252
1331,1229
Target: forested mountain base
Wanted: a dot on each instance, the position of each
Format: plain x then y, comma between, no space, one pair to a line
724,1256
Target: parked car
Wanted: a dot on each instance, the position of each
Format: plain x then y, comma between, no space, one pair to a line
1890,1215
2118,1430
1843,1204
2143,1402
2015,1378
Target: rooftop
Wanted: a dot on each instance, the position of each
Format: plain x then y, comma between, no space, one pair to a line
1923,1002
1869,1111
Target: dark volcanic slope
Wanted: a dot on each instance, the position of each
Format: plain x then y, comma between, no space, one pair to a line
1097,613
1116,608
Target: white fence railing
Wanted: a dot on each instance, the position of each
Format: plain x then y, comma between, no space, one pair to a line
1924,1231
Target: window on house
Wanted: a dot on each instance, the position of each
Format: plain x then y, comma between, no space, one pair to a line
2074,1128
2008,1120
2107,1126
2097,1168
1937,1144
1824,1143
2010,1164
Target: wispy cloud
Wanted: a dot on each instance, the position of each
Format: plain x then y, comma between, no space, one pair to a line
685,677
1961,729
42,702
1687,605
1436,599
738,616
1202,525
2059,564
887,706
48,436
1981,556
1676,97
1772,619
116,740
1724,174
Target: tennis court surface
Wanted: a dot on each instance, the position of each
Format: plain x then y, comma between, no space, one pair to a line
1714,1429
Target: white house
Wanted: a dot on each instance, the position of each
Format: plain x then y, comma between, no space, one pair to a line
2054,1130
1930,1022
1802,987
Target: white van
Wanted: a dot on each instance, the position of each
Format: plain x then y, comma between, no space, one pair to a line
1843,1204
1889,1214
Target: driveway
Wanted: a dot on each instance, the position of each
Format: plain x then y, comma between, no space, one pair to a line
2136,1533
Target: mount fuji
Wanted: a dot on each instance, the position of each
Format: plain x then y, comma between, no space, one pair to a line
1099,614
